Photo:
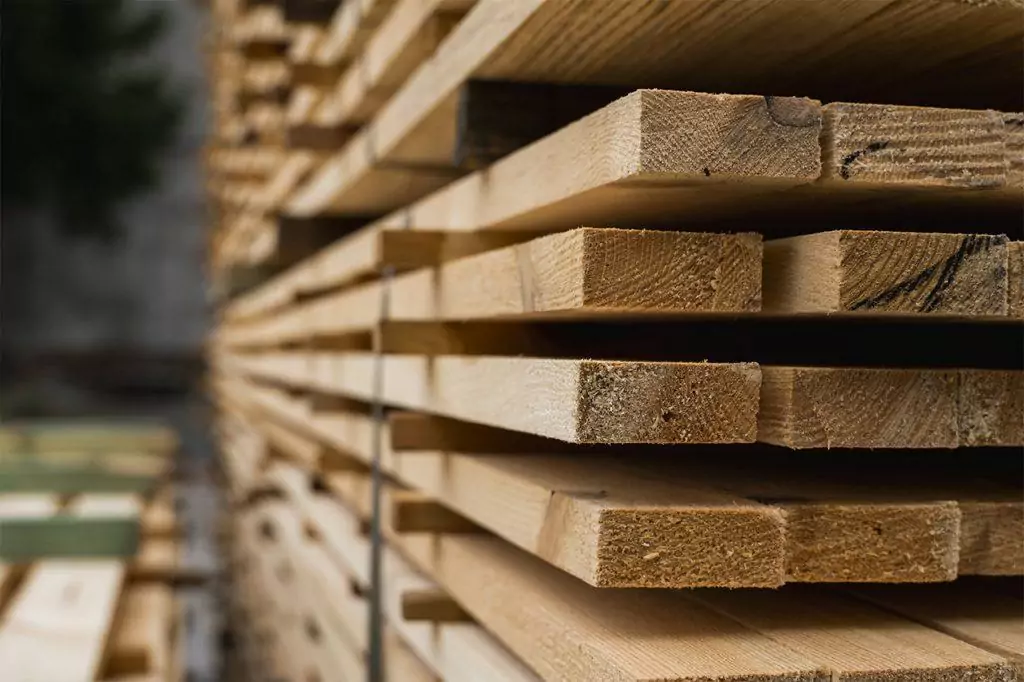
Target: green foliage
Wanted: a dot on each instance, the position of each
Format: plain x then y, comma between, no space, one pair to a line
85,117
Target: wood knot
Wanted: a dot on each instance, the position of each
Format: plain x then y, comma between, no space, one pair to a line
795,112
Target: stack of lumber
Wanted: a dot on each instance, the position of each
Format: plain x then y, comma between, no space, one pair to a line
621,343
88,540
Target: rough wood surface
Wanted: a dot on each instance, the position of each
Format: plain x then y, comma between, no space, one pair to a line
581,273
804,407
564,630
573,400
855,641
535,40
900,273
406,38
990,535
967,611
1015,279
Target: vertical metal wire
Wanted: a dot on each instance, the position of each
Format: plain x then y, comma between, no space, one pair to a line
375,669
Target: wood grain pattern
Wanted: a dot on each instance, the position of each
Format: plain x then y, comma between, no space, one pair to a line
990,406
855,641
527,41
804,407
900,273
990,535
983,618
582,273
914,146
564,630
1015,279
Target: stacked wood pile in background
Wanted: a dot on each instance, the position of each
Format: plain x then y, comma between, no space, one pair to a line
89,549
630,339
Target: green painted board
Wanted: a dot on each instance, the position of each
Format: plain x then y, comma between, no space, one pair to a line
69,482
55,537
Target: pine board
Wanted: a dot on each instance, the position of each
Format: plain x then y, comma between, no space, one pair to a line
806,407
855,641
887,273
583,273
573,400
534,40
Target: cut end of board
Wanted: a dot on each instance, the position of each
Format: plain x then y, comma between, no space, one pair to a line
715,138
667,402
715,547
869,542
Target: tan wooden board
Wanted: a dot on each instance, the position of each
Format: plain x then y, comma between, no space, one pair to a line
582,273
57,625
406,38
912,528
892,273
987,619
573,400
855,641
140,643
540,41
853,407
1015,279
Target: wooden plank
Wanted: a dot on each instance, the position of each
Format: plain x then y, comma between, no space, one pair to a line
71,435
407,37
804,407
95,526
770,145
546,618
583,273
608,525
990,537
574,400
966,611
534,41
853,640
57,626
350,28
887,273
1015,279
141,640
432,605
990,407
413,512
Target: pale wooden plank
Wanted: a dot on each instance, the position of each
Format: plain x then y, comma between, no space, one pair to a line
748,144
804,407
887,273
548,618
573,400
582,273
140,643
610,525
855,641
405,39
66,607
987,620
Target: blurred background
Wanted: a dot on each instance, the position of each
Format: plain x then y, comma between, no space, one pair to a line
103,305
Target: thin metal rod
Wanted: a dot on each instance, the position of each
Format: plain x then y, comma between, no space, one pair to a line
375,669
